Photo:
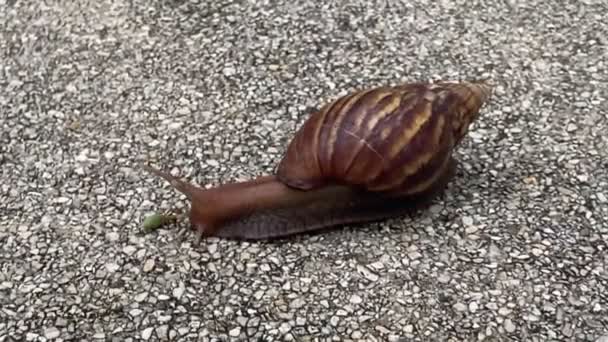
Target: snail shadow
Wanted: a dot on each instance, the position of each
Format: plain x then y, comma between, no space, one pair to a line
458,191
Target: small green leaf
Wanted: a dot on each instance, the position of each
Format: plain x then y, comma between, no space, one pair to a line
156,221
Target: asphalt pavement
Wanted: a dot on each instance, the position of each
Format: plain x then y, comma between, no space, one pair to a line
515,250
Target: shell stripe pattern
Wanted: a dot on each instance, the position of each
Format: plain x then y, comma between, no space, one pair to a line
377,134
388,104
378,153
336,115
422,142
397,139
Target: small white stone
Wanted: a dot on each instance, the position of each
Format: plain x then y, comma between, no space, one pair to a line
297,303
382,329
112,267
178,292
537,252
51,333
129,250
135,312
444,278
61,200
149,265
471,230
467,221
141,297
112,236
147,333
164,318
229,71
460,307
504,311
176,125
161,331
408,329
509,326
377,265
371,276
473,306
235,332
354,299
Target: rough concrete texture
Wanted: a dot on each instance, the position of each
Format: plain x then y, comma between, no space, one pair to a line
213,90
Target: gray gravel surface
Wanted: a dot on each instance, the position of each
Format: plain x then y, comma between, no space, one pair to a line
213,90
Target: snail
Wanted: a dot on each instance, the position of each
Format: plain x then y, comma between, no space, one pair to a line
366,156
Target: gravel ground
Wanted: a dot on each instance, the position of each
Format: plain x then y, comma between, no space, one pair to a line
515,250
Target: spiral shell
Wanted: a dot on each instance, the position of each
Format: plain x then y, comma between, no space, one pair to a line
395,139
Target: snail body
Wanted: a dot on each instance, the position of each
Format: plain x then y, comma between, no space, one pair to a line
368,155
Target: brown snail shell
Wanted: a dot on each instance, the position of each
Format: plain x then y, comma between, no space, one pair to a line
394,139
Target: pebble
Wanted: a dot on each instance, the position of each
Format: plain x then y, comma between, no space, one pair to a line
149,265
354,299
164,318
509,326
51,333
297,303
129,250
444,278
112,236
112,267
504,311
162,331
229,71
383,330
135,312
140,297
369,275
467,221
178,292
235,332
147,333
460,307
